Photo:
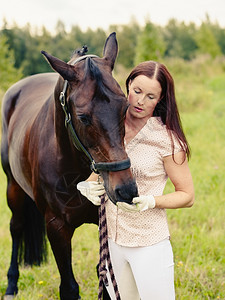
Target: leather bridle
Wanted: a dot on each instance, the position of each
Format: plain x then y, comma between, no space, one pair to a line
95,167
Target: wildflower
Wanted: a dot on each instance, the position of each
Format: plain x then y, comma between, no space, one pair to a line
180,264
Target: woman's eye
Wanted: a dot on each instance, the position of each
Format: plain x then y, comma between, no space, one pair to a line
137,91
86,120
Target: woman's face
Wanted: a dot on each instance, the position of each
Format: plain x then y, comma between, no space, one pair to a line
144,94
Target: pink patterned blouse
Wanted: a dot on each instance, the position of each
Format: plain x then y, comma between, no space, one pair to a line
146,151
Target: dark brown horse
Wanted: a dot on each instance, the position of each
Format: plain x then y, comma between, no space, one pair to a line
43,158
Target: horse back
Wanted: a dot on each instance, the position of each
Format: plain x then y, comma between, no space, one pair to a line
20,107
27,96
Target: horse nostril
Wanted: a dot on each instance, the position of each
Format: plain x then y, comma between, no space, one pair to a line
126,192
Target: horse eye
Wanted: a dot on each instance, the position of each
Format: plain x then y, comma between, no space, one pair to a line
86,120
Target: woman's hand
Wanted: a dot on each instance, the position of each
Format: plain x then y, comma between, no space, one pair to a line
92,190
140,203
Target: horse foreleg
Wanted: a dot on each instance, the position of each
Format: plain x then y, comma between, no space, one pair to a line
60,235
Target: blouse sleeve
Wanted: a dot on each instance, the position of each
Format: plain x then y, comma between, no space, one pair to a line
171,146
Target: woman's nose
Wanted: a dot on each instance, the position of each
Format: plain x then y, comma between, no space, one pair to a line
140,100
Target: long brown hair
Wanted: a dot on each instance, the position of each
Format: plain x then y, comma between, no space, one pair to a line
166,108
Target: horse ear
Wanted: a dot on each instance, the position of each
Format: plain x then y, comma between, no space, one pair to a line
111,49
65,70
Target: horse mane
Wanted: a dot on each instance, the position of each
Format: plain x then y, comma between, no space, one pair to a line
79,51
92,71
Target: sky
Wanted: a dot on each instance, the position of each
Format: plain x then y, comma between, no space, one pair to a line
103,13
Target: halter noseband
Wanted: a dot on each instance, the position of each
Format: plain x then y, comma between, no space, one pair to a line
95,167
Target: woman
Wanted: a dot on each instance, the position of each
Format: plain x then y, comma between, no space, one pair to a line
138,234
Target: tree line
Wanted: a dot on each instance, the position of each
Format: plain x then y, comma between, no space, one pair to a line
137,43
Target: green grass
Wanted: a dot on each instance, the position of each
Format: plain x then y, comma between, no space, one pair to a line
197,234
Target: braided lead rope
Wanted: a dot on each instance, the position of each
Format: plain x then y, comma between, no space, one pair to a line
104,254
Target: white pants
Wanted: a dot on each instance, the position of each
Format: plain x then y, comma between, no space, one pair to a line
145,273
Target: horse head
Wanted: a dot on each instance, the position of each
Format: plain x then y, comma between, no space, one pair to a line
95,109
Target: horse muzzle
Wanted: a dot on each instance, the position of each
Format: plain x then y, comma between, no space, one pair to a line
124,192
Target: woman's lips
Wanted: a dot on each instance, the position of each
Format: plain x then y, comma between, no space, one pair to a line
138,109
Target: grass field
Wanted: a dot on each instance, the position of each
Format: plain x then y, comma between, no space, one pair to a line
197,233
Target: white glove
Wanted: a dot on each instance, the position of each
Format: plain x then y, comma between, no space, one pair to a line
138,204
92,190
